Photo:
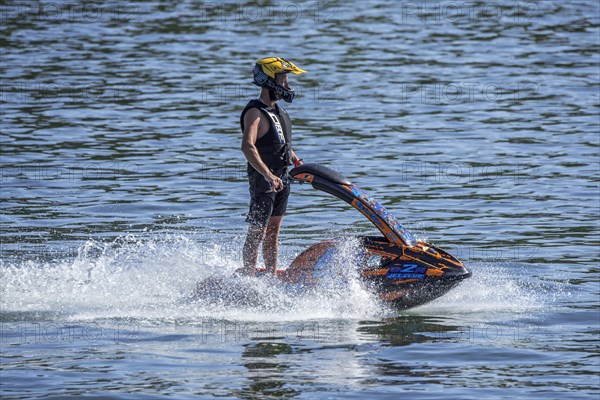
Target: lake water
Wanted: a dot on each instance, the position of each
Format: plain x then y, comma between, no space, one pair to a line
122,186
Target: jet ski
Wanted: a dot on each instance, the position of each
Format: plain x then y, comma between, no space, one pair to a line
403,271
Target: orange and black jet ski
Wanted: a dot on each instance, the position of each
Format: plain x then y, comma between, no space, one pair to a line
403,271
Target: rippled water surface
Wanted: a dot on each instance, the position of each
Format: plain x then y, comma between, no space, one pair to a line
122,186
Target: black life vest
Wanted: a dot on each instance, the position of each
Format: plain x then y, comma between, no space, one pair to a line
275,146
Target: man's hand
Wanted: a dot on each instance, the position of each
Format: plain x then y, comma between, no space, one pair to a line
275,182
296,160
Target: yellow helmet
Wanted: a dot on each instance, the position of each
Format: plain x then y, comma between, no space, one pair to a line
265,75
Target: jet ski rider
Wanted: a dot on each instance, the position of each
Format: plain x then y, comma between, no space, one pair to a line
267,145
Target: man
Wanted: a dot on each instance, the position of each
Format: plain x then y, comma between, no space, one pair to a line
266,144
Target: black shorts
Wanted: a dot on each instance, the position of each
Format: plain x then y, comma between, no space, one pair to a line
265,204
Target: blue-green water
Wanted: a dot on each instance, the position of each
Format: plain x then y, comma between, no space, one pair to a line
122,186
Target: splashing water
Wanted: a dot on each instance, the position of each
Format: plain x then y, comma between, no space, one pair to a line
497,288
153,279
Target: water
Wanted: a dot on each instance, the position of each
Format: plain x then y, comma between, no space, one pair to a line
476,124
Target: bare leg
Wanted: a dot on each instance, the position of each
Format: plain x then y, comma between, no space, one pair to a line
270,244
250,253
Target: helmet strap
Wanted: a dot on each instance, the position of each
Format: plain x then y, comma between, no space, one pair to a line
272,95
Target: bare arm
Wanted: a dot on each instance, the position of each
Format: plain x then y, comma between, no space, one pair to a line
252,127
